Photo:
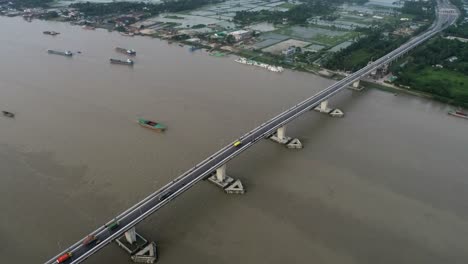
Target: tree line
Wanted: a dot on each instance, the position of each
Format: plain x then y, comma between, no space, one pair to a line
30,3
102,9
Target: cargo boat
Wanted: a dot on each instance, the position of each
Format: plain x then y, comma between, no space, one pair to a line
52,33
63,53
458,113
151,125
126,51
124,62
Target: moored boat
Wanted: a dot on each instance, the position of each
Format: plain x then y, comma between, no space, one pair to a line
151,124
124,62
458,113
129,34
88,27
63,53
126,51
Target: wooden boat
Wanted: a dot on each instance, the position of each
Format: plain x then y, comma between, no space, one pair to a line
8,114
458,113
151,124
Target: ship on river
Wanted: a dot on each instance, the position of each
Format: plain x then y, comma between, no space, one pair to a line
126,51
123,62
63,53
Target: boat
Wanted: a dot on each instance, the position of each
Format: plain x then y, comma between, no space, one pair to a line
124,62
88,27
52,33
126,51
272,68
458,113
129,34
193,48
8,114
63,53
151,124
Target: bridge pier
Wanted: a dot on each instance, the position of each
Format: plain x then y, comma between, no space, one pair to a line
357,85
323,108
130,235
281,137
222,180
131,241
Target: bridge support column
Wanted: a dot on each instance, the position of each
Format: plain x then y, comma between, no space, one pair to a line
131,241
130,235
222,180
137,246
281,137
323,108
357,85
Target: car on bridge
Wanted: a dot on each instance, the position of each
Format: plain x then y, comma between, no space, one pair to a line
64,258
237,143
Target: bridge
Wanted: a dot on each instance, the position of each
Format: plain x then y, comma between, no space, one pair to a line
446,15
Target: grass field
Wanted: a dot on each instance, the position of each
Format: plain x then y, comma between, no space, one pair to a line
287,5
456,83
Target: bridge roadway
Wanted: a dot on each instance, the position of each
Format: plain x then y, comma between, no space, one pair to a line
164,195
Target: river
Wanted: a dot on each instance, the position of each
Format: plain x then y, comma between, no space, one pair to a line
385,184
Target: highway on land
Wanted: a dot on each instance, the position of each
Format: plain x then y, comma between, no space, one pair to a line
446,14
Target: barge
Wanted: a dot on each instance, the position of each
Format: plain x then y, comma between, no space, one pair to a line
126,51
128,62
63,53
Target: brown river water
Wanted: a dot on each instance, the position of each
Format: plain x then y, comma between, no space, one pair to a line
385,184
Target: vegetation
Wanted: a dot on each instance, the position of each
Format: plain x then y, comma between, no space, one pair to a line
371,47
102,9
429,69
30,3
460,30
199,26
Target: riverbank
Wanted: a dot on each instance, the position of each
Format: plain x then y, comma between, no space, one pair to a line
392,88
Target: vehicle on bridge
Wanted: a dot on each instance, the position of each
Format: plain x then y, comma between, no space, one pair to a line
237,143
64,257
112,226
89,239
